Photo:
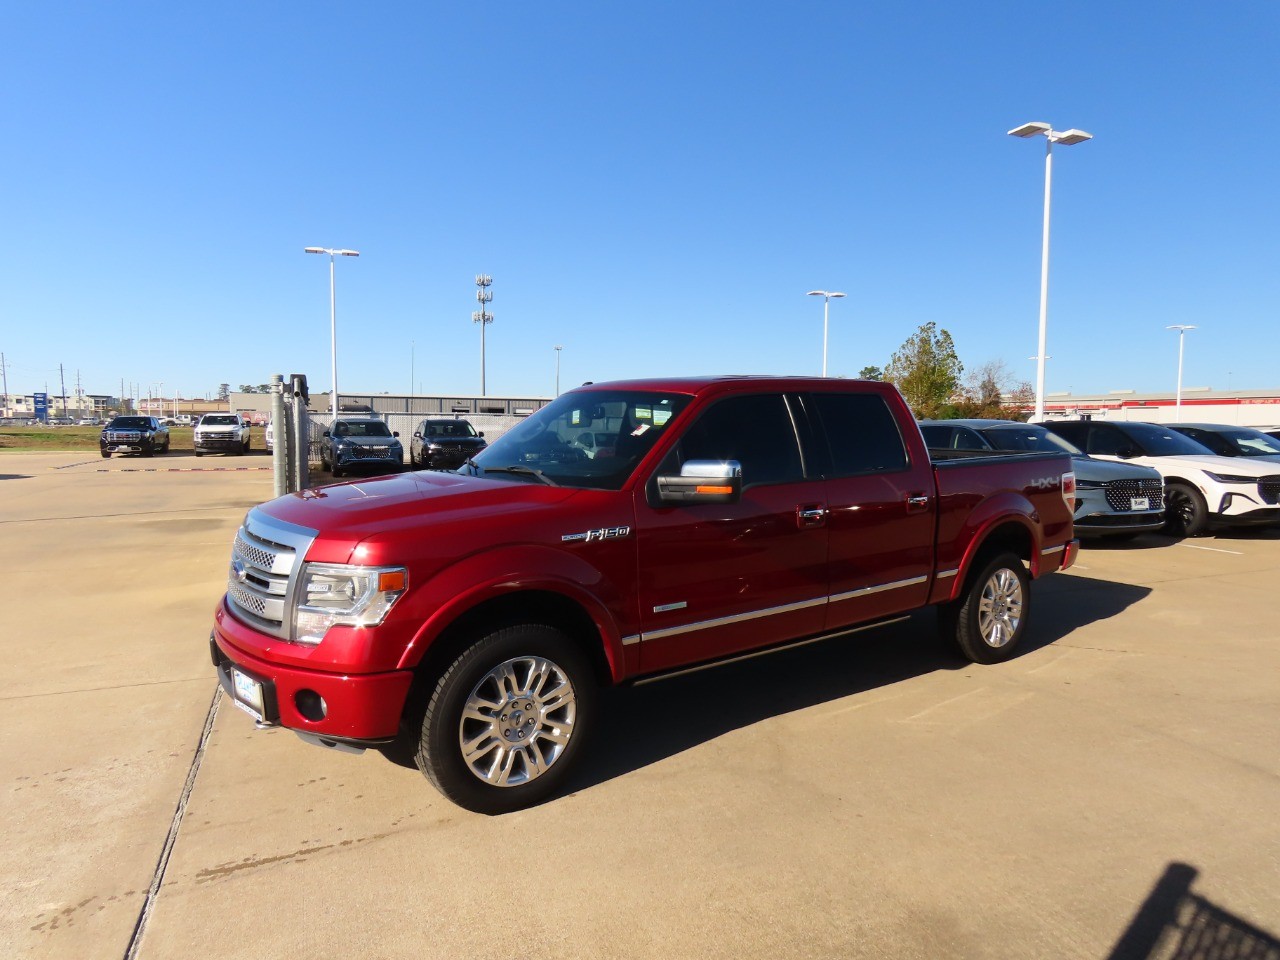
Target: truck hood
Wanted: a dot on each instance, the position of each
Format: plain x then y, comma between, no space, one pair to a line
346,514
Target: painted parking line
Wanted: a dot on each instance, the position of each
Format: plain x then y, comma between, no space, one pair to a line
68,466
185,469
1192,546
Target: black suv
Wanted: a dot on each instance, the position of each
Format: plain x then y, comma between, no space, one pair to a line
144,435
363,444
444,444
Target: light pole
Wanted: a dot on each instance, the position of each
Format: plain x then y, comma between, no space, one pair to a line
827,297
559,347
1182,329
1066,138
333,318
483,296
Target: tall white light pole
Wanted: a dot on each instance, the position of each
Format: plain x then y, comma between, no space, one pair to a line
1182,329
827,297
333,319
559,347
1066,138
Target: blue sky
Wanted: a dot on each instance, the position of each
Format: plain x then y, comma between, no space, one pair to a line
654,186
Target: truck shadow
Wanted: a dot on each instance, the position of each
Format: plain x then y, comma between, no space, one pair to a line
684,711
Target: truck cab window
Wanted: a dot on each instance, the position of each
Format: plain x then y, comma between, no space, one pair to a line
754,430
861,434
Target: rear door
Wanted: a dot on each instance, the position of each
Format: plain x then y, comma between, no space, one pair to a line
882,509
716,579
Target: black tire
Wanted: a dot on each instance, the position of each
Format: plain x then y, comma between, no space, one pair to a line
989,620
1185,512
149,451
541,663
199,453
106,454
336,472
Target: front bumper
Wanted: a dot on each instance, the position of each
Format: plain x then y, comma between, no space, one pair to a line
1102,524
363,709
391,462
213,444
1236,510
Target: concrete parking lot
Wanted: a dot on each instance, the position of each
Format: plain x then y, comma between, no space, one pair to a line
870,796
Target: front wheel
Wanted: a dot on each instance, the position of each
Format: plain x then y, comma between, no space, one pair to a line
507,720
1185,512
988,621
106,454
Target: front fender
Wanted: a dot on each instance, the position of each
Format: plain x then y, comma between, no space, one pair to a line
461,587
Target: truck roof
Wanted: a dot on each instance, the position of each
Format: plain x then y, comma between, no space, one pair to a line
696,385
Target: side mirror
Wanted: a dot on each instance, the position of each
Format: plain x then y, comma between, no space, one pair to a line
326,433
1127,453
417,434
703,481
395,433
482,433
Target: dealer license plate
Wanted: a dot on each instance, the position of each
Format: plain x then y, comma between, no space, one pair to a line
248,693
1140,503
122,449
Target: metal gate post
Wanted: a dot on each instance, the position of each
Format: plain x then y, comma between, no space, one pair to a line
301,432
279,430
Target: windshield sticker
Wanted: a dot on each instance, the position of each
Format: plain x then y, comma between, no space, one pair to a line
641,430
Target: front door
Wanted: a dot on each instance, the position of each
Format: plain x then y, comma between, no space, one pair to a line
717,579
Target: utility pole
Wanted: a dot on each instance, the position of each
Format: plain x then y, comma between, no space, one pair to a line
79,395
4,372
484,295
63,377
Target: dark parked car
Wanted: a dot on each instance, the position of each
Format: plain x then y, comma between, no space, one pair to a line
144,435
1227,441
1118,499
444,444
361,444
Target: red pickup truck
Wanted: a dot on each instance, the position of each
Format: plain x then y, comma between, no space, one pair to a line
625,530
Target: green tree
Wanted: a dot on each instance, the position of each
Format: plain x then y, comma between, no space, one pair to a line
927,370
870,373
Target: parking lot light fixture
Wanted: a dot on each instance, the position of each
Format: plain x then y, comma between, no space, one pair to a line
827,296
1182,329
559,347
333,321
1066,138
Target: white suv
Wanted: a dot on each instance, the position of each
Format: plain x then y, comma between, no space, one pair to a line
1200,488
221,433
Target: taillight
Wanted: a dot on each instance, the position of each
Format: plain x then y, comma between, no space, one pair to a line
1069,490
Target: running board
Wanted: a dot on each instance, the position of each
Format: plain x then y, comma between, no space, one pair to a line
765,651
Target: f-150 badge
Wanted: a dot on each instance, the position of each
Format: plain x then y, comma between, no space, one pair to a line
604,533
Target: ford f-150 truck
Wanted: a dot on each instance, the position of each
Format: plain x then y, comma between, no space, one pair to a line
471,616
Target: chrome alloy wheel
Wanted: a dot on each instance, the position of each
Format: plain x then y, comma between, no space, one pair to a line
517,721
1000,609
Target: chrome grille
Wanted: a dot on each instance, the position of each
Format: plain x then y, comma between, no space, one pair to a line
123,436
1269,489
263,573
369,453
1120,493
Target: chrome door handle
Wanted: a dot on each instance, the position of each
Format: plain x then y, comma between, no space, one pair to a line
811,515
917,503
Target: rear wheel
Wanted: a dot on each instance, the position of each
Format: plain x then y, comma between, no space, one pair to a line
507,720
1185,512
988,621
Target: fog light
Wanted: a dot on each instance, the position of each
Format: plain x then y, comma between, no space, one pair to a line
311,705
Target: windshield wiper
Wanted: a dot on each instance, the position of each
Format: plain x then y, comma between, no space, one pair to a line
522,472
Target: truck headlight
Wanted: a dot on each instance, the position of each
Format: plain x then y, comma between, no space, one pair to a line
338,593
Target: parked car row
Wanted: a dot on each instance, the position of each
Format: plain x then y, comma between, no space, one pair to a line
1132,477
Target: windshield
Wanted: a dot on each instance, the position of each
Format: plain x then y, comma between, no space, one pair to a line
592,439
220,420
134,423
370,428
1163,442
1028,437
1250,443
448,428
